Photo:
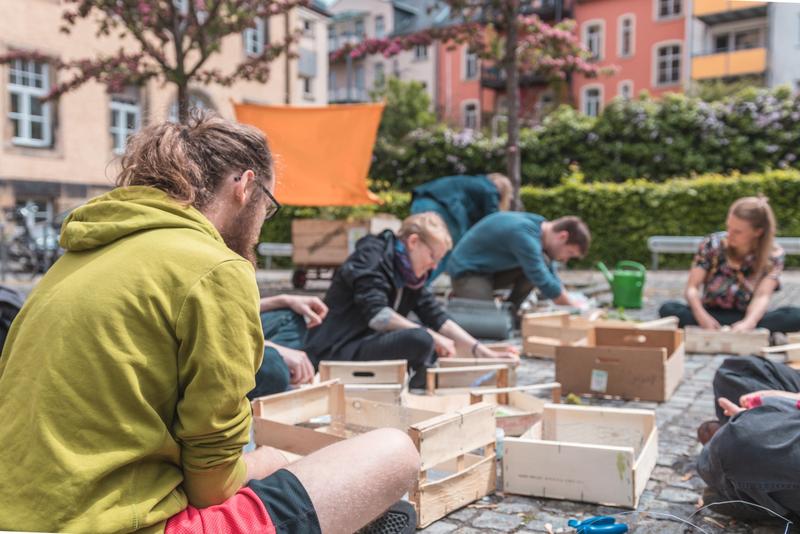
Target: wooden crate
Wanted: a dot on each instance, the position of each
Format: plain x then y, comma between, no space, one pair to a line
625,362
457,449
587,454
517,407
382,381
542,333
701,341
326,243
467,378
463,379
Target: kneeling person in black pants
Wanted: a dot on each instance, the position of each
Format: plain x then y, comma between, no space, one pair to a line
371,294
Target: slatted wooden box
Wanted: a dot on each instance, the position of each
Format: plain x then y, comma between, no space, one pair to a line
457,448
627,362
587,454
382,381
542,333
701,341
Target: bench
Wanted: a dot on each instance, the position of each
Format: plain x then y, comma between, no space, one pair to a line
686,244
270,250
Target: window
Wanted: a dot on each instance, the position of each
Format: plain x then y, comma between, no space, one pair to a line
360,77
470,65
420,52
308,28
28,83
593,39
669,8
331,80
668,63
360,29
308,88
625,89
197,100
380,75
380,27
746,39
125,117
722,43
471,115
332,39
255,38
626,36
592,100
396,69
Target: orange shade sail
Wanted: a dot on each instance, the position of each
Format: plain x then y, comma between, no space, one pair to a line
322,154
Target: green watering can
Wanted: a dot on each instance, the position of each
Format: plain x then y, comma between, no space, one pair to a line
627,283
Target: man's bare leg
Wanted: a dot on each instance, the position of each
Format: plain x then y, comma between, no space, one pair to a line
353,482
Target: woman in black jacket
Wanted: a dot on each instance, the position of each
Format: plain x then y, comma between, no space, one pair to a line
371,294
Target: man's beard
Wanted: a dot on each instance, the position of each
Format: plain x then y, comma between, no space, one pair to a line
243,237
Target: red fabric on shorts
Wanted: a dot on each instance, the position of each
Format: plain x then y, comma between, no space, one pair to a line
243,513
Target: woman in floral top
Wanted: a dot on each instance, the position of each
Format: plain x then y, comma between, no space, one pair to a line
735,273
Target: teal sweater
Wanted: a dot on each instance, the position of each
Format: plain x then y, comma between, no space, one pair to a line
503,241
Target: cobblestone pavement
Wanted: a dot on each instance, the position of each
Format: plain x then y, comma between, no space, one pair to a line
674,487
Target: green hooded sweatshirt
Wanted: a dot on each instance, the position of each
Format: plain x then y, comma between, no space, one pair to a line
123,379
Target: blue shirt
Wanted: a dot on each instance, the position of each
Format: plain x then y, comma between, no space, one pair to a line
461,201
503,241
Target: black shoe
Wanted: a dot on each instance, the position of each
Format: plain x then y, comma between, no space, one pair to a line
399,519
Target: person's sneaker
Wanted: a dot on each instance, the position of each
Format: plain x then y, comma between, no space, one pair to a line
400,518
778,338
706,431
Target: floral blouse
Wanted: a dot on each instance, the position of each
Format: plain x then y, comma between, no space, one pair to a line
729,287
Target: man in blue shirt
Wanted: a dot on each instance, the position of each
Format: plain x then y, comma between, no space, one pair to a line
513,250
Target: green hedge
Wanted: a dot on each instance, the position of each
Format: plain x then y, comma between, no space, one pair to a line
621,216
674,136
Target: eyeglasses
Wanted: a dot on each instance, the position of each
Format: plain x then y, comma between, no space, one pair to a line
274,206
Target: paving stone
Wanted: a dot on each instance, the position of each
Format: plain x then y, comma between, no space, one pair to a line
497,521
440,527
465,514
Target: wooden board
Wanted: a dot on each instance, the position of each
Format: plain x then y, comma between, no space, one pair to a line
700,341
385,393
377,372
473,376
324,242
596,455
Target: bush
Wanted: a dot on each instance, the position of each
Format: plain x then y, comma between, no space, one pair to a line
755,130
622,216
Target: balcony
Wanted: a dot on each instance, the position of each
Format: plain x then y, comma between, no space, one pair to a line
717,11
729,64
495,78
352,39
341,95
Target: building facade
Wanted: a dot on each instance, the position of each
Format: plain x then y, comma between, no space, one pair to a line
58,154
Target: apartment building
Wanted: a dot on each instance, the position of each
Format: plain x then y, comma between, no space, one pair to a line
60,153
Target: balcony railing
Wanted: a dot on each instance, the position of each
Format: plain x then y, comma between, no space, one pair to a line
495,78
728,64
342,95
716,11
335,43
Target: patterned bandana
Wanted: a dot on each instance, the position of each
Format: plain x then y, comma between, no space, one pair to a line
403,265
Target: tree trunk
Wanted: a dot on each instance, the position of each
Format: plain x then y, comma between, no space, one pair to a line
512,91
183,102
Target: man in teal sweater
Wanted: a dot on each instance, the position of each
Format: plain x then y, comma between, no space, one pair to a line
514,250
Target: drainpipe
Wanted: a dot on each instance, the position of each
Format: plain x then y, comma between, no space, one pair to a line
288,64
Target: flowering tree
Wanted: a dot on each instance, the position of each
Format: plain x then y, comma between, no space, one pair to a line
506,33
172,41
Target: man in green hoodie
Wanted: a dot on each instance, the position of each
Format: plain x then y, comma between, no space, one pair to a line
123,380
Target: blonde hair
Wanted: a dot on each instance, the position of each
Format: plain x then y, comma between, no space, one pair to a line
504,187
428,225
758,213
189,161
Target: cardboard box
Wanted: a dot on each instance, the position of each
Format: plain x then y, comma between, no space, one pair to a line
627,362
701,341
587,454
457,449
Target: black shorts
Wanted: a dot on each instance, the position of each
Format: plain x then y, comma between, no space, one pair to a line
287,503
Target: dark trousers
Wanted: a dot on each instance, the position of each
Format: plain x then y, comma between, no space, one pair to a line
282,327
482,286
785,319
755,455
413,344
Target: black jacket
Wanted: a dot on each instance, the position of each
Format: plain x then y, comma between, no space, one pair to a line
361,287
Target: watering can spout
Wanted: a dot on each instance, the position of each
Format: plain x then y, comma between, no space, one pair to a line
604,270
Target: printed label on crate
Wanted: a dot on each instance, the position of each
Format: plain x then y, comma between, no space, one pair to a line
599,381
